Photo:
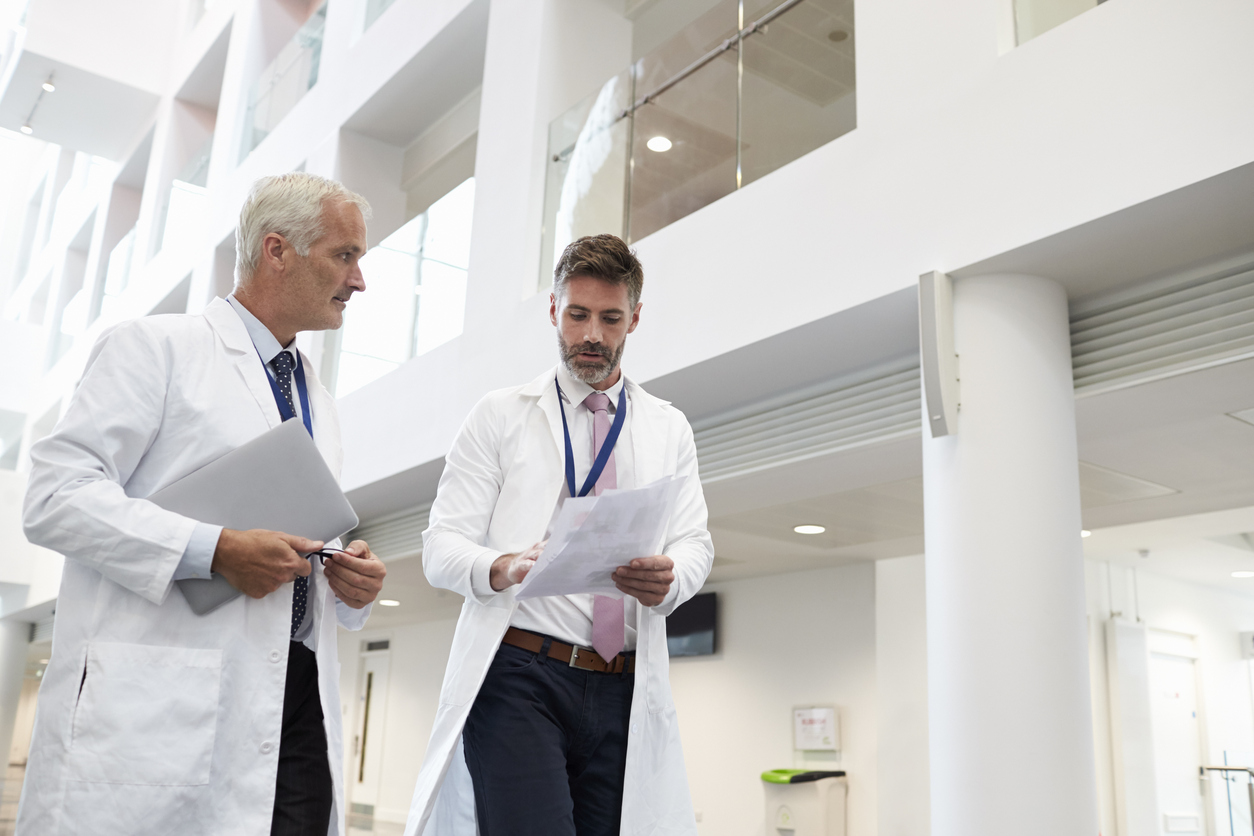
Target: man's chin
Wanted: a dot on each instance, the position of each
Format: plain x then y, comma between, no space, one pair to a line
590,373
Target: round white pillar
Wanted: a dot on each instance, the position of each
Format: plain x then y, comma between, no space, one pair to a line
1010,728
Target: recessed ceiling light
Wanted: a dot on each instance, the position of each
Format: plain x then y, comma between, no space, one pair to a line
43,661
659,144
809,529
49,87
28,130
1243,574
1084,532
388,602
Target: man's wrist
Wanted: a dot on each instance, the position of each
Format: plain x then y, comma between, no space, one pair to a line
498,576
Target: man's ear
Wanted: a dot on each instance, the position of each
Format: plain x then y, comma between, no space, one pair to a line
553,308
273,248
635,317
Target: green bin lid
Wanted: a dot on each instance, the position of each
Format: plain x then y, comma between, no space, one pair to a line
798,776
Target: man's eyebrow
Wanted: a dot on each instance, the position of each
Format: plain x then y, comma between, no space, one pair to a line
585,309
352,248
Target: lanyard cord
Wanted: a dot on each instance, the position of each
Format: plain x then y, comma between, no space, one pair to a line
607,446
302,389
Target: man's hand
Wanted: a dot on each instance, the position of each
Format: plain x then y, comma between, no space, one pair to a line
647,579
257,562
355,574
509,569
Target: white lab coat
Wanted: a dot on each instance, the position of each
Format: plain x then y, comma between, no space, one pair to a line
497,493
152,719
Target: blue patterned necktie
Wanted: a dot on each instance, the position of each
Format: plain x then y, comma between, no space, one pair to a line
283,365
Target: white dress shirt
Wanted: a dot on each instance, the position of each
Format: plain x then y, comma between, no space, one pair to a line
569,617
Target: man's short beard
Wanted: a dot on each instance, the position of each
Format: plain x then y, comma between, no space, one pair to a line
586,372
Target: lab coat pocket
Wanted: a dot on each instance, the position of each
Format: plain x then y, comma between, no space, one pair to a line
146,715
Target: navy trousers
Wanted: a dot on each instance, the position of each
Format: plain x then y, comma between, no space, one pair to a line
303,794
546,746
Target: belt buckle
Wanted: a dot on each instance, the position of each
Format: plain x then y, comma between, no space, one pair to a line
574,656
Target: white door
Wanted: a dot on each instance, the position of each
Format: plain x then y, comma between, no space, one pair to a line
372,690
1177,743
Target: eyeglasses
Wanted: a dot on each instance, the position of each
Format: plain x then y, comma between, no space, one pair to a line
323,554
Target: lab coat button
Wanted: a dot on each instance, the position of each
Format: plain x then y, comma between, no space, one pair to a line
266,747
275,655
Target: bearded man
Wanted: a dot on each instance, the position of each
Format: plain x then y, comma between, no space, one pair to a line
556,716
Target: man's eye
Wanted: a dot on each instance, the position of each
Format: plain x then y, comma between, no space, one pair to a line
612,320
574,315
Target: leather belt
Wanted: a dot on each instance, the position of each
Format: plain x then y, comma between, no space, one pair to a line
584,658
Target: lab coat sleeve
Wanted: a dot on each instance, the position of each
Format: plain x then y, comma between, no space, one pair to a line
75,500
453,553
349,618
688,540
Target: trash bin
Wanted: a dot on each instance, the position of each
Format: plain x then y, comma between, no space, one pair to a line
804,803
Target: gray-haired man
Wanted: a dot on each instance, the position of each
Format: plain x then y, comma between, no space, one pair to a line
152,719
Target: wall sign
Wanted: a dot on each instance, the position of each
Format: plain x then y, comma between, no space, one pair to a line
816,728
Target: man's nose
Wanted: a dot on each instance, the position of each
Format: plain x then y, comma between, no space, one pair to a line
356,280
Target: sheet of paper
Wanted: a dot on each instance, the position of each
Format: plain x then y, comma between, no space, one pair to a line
594,535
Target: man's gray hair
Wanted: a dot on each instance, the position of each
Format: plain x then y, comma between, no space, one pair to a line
291,205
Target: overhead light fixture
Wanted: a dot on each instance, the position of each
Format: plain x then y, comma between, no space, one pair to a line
43,661
49,87
1243,574
28,130
659,144
388,602
809,529
1084,532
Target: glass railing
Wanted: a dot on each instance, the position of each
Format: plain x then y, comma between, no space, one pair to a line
185,202
713,108
1232,790
374,8
282,84
415,295
117,276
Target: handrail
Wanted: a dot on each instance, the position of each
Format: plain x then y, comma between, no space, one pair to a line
1249,785
731,43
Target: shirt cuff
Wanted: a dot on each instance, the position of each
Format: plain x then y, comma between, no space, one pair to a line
198,556
481,575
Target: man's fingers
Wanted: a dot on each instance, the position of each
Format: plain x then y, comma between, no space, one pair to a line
369,566
642,586
300,544
348,578
358,548
661,575
655,563
303,568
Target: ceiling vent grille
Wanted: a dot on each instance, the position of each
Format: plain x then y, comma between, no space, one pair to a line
1198,323
835,416
395,535
41,630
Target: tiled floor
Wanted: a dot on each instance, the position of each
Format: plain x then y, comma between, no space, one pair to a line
11,790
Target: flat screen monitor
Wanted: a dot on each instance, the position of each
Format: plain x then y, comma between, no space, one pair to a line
690,629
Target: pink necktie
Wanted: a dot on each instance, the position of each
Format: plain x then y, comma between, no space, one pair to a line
607,612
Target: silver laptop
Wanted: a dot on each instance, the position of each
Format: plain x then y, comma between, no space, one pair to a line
277,481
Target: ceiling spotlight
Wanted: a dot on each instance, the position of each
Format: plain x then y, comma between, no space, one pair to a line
1243,574
43,661
659,144
1084,532
388,602
49,87
809,529
28,130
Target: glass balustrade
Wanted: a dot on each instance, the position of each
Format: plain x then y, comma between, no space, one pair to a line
117,275
185,202
282,84
374,8
1231,788
711,109
415,295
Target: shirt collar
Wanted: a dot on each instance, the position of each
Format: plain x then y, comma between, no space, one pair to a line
265,342
574,391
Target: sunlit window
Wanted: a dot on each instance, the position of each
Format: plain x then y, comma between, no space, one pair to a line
415,295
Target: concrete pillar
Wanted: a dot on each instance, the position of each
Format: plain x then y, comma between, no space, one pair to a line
1010,730
14,641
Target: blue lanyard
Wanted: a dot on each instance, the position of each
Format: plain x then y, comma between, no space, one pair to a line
285,411
607,446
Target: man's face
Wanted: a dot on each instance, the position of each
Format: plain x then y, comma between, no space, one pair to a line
593,318
319,285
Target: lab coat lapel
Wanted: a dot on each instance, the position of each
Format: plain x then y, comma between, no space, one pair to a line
230,329
544,390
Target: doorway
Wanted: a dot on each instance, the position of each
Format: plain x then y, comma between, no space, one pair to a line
1177,733
368,736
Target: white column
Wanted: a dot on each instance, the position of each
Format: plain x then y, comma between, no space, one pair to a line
14,641
1010,730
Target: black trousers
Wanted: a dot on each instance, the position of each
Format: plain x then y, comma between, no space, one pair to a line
546,746
303,794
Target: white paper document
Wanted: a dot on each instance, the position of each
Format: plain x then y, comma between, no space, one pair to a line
594,535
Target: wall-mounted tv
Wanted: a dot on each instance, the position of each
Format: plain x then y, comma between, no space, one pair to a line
691,628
